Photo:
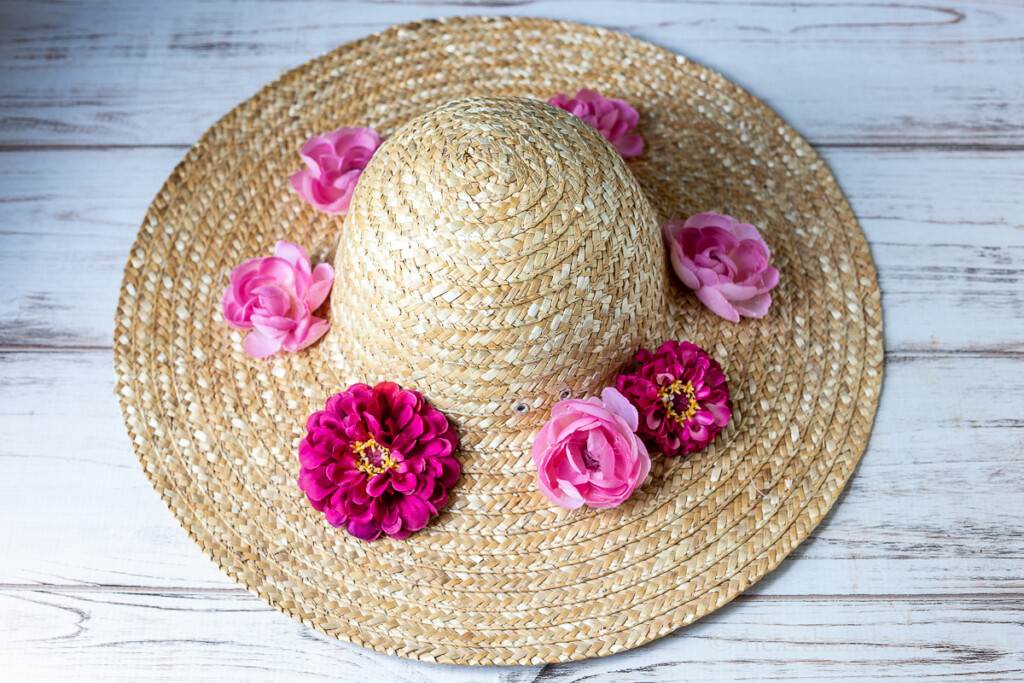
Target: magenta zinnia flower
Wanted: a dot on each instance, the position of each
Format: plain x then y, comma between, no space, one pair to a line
681,395
378,460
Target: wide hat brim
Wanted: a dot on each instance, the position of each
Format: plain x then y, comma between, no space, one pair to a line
501,576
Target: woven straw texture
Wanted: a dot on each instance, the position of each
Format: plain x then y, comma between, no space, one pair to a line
499,255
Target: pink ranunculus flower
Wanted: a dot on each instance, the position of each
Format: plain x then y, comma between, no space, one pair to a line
614,119
335,160
588,453
275,298
724,261
378,461
681,394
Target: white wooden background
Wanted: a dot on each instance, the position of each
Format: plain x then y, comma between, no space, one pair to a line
919,110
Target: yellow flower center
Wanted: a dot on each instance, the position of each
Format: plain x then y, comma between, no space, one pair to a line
669,394
373,458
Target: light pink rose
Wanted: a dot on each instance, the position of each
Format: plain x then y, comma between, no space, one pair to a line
335,160
724,261
275,298
588,453
614,119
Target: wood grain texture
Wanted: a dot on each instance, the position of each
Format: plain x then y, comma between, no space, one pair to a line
99,73
919,571
945,230
917,517
201,636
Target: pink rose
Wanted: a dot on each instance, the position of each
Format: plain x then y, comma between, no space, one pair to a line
335,160
589,453
724,261
614,119
275,298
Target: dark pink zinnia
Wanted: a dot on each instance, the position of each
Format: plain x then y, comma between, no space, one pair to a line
378,460
681,395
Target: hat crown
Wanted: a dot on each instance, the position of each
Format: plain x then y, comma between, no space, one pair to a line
497,252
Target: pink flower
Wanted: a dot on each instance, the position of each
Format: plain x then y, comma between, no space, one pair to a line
275,298
588,452
335,160
681,394
614,119
378,461
724,261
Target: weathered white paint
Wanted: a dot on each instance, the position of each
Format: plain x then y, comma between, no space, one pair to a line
111,72
946,231
917,573
153,635
917,517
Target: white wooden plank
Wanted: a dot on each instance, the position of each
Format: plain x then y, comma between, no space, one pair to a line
107,72
927,540
128,636
918,516
945,229
152,636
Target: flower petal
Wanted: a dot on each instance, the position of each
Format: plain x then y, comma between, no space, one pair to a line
259,346
718,304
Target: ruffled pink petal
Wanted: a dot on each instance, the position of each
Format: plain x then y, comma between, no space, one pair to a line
348,138
615,402
735,292
259,346
320,288
749,257
273,327
629,146
315,149
685,269
316,328
293,254
343,185
710,219
755,307
234,313
303,182
707,277
746,231
273,301
713,238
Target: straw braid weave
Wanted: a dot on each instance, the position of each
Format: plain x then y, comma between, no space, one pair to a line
509,256
574,268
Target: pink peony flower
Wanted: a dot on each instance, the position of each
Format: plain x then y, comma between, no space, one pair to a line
335,160
275,298
588,452
724,261
614,119
378,461
681,394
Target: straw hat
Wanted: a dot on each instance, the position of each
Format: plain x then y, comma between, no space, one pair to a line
500,255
